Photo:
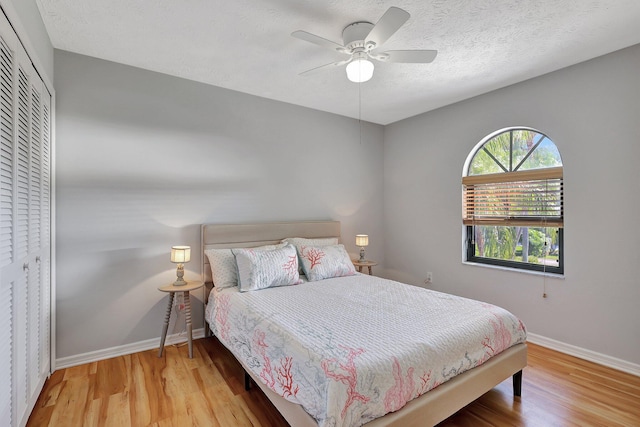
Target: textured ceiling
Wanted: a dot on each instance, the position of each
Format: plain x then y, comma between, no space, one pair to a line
245,45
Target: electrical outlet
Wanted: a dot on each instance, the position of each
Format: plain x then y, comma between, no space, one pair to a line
429,278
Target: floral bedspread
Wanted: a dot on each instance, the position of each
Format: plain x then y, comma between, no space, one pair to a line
352,349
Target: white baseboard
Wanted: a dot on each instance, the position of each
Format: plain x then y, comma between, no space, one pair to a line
121,350
582,353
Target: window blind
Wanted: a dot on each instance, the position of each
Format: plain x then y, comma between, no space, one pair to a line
522,198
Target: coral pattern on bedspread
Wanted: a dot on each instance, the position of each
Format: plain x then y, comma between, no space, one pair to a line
352,349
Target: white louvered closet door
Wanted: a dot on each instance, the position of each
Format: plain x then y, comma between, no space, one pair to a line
7,239
25,114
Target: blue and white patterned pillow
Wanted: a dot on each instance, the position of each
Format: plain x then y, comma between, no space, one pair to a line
224,270
266,269
324,262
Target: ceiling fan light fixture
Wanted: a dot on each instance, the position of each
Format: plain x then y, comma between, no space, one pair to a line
360,70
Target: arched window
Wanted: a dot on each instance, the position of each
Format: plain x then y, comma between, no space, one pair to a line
512,201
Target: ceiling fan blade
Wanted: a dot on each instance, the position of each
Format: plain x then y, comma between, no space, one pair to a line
407,56
391,21
312,38
324,67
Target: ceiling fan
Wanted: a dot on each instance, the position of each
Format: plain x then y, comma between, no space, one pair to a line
361,41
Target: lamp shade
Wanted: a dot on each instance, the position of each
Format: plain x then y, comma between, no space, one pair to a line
360,70
180,254
362,240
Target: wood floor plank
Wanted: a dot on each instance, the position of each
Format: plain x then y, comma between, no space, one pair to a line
140,403
111,377
92,413
70,406
118,412
177,377
208,390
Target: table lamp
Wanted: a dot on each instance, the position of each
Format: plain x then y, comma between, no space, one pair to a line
180,255
362,240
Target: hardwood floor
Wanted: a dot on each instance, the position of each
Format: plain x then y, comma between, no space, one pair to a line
143,390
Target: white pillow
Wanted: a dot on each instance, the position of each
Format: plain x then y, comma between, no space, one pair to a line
224,270
324,262
266,269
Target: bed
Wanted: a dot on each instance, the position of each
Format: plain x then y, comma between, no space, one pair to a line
293,353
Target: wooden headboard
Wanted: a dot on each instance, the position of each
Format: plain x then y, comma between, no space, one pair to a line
219,236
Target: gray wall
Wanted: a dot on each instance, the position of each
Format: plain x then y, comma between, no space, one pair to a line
143,159
592,113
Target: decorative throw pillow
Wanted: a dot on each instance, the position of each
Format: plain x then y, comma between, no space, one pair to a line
224,270
325,262
301,241
266,269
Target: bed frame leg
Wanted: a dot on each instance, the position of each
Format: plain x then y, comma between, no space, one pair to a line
247,381
517,383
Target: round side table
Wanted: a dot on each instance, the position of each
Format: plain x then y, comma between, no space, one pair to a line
185,289
367,264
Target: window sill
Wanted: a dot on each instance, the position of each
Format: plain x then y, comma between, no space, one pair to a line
515,270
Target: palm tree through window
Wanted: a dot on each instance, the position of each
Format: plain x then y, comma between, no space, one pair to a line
513,207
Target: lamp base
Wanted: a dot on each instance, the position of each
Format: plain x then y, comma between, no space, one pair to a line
180,273
362,259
